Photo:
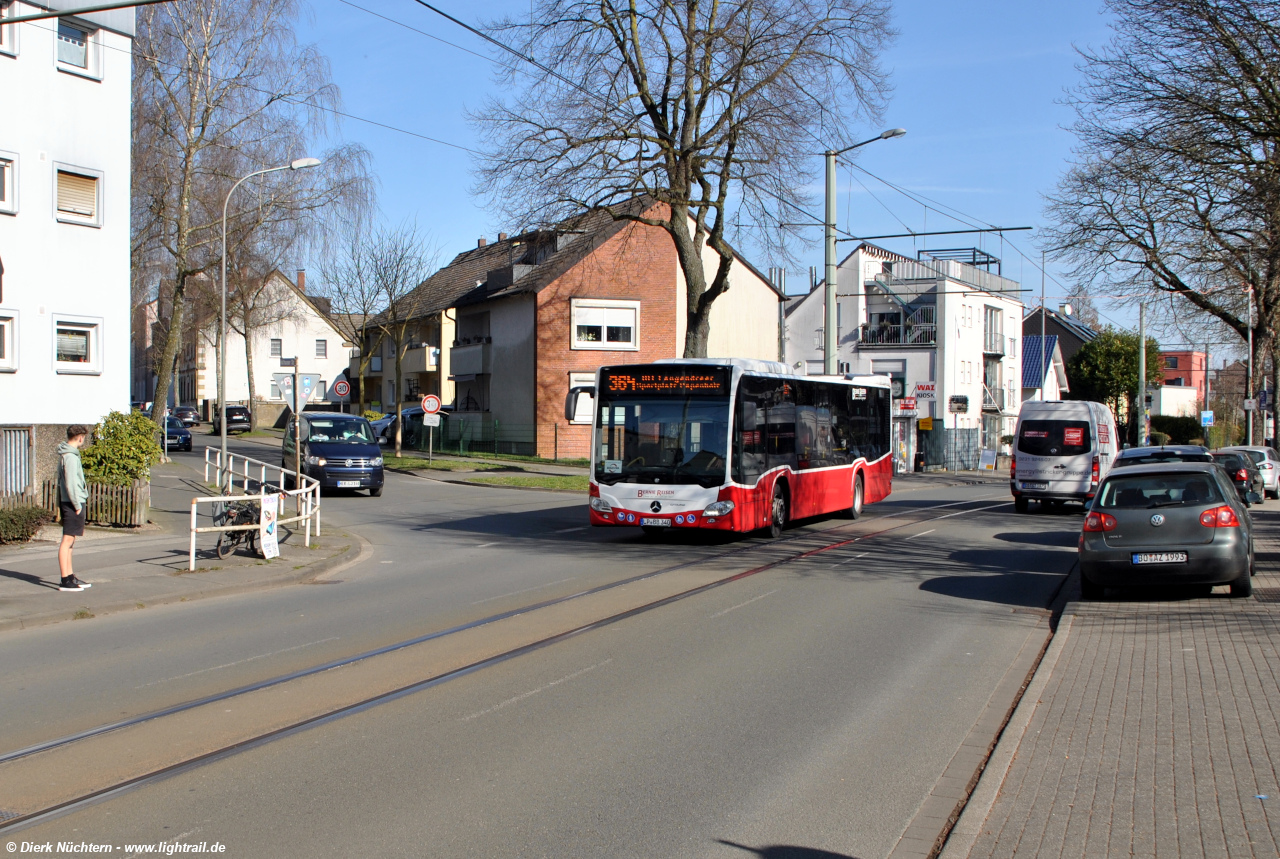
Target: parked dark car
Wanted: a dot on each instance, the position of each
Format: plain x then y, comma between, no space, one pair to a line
179,436
188,415
1242,470
338,450
237,420
1174,524
1162,454
1268,461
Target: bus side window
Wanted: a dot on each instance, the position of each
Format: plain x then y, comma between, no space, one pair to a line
748,437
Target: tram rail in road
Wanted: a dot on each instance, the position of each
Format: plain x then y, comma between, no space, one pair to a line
100,762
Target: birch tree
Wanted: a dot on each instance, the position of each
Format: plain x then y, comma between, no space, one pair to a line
716,110
355,298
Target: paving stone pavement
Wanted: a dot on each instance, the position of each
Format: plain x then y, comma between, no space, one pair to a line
1156,731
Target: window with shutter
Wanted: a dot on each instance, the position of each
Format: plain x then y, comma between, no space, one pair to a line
77,195
73,45
322,348
277,348
605,324
73,345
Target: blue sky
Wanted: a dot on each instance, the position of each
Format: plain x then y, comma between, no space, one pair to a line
978,86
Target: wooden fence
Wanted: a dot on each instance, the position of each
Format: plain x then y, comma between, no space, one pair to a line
108,505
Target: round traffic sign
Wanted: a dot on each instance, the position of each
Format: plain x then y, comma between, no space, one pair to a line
430,404
341,388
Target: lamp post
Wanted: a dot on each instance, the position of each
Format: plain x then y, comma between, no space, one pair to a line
829,249
296,164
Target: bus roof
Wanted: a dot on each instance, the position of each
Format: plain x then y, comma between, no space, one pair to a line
776,368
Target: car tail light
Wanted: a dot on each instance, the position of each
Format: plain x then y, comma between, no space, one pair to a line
1096,471
1098,522
1220,517
1242,475
1013,466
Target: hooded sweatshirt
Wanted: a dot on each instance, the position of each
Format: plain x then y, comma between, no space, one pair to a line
71,485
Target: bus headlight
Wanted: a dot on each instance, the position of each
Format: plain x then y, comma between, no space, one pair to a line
599,505
719,508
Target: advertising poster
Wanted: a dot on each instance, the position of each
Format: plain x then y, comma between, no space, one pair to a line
267,526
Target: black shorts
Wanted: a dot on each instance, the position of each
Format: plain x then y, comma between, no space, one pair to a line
72,522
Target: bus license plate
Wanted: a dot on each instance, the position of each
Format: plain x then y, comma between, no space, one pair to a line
1160,557
1034,484
660,523
348,484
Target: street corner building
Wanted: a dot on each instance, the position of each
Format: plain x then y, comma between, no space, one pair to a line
521,320
64,231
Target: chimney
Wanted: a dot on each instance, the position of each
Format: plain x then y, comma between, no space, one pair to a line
302,281
502,237
482,242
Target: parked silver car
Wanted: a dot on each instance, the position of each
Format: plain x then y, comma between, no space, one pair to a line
1268,462
1168,524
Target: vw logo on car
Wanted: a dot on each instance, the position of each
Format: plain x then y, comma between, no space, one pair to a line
1157,520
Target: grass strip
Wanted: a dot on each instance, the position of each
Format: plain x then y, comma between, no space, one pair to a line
575,482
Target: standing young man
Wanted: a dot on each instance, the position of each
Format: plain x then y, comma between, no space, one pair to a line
73,494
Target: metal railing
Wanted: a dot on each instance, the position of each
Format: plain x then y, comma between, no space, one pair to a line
925,334
992,400
306,491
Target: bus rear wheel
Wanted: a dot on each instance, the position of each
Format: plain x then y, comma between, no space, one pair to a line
778,511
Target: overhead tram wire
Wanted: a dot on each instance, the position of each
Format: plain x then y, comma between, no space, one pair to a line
300,102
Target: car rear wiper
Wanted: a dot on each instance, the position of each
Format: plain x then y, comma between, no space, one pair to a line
1153,505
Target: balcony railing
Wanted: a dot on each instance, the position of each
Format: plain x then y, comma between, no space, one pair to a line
898,335
475,358
992,401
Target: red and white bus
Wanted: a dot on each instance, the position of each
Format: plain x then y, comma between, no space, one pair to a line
733,444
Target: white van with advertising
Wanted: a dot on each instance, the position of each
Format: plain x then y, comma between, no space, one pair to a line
1061,450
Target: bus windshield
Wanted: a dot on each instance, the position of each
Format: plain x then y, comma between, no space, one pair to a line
674,439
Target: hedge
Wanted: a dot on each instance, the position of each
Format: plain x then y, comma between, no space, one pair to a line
1181,430
20,524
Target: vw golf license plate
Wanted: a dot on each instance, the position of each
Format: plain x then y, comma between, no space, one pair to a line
1159,557
348,484
661,523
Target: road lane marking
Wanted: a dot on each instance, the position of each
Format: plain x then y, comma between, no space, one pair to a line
526,590
238,662
740,605
921,534
847,560
570,530
487,545
523,695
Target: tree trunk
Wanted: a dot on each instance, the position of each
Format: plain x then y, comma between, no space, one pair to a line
399,347
248,362
169,352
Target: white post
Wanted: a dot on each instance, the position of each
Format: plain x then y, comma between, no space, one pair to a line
191,561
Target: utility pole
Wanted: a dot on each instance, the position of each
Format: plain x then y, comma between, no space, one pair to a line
829,339
1248,383
1044,360
1142,374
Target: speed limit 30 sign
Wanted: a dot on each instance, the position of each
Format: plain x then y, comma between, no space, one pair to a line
341,388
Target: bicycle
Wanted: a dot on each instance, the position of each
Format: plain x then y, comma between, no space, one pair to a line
238,513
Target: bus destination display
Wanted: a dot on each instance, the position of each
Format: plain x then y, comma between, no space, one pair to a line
686,381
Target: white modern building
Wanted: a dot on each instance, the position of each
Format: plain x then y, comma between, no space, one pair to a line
64,230
290,325
946,328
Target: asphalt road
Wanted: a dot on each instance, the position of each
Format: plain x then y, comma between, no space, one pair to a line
812,705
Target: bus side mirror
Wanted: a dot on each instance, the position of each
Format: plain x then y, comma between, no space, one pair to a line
571,401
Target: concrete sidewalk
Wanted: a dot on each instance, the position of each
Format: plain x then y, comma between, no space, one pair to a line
1151,728
133,569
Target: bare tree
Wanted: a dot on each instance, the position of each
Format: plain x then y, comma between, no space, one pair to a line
355,298
221,89
1176,190
714,110
397,260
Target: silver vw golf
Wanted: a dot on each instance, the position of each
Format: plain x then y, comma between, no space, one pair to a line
1166,524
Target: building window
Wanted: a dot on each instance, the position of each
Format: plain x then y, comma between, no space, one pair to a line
322,389
8,32
605,324
8,181
275,391
322,348
77,46
77,345
277,348
8,342
78,196
411,388
1171,362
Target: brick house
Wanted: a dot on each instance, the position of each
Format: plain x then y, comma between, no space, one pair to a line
537,312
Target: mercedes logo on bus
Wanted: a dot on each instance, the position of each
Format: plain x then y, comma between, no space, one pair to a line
656,507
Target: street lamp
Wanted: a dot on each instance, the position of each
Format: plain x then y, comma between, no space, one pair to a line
296,164
829,249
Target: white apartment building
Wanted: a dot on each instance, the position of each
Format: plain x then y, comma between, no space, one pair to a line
291,325
64,230
945,328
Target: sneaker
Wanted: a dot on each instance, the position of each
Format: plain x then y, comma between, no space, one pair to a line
70,584
82,585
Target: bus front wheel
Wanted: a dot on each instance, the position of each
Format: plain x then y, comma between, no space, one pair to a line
778,511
